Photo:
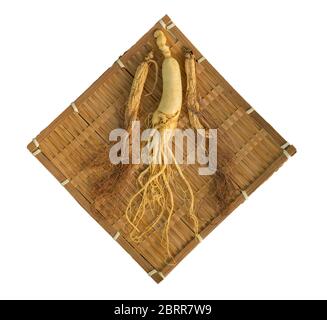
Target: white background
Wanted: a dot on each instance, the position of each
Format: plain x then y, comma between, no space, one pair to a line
273,246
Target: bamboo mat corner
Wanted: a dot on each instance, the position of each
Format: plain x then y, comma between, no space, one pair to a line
70,142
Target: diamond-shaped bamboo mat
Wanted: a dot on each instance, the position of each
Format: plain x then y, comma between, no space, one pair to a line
69,144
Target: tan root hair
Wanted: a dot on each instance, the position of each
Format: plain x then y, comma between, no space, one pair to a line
226,189
154,202
113,175
155,196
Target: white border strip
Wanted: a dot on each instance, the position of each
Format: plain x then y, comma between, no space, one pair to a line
65,182
116,236
245,195
74,107
249,111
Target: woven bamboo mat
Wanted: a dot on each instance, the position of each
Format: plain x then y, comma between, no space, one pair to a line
69,144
